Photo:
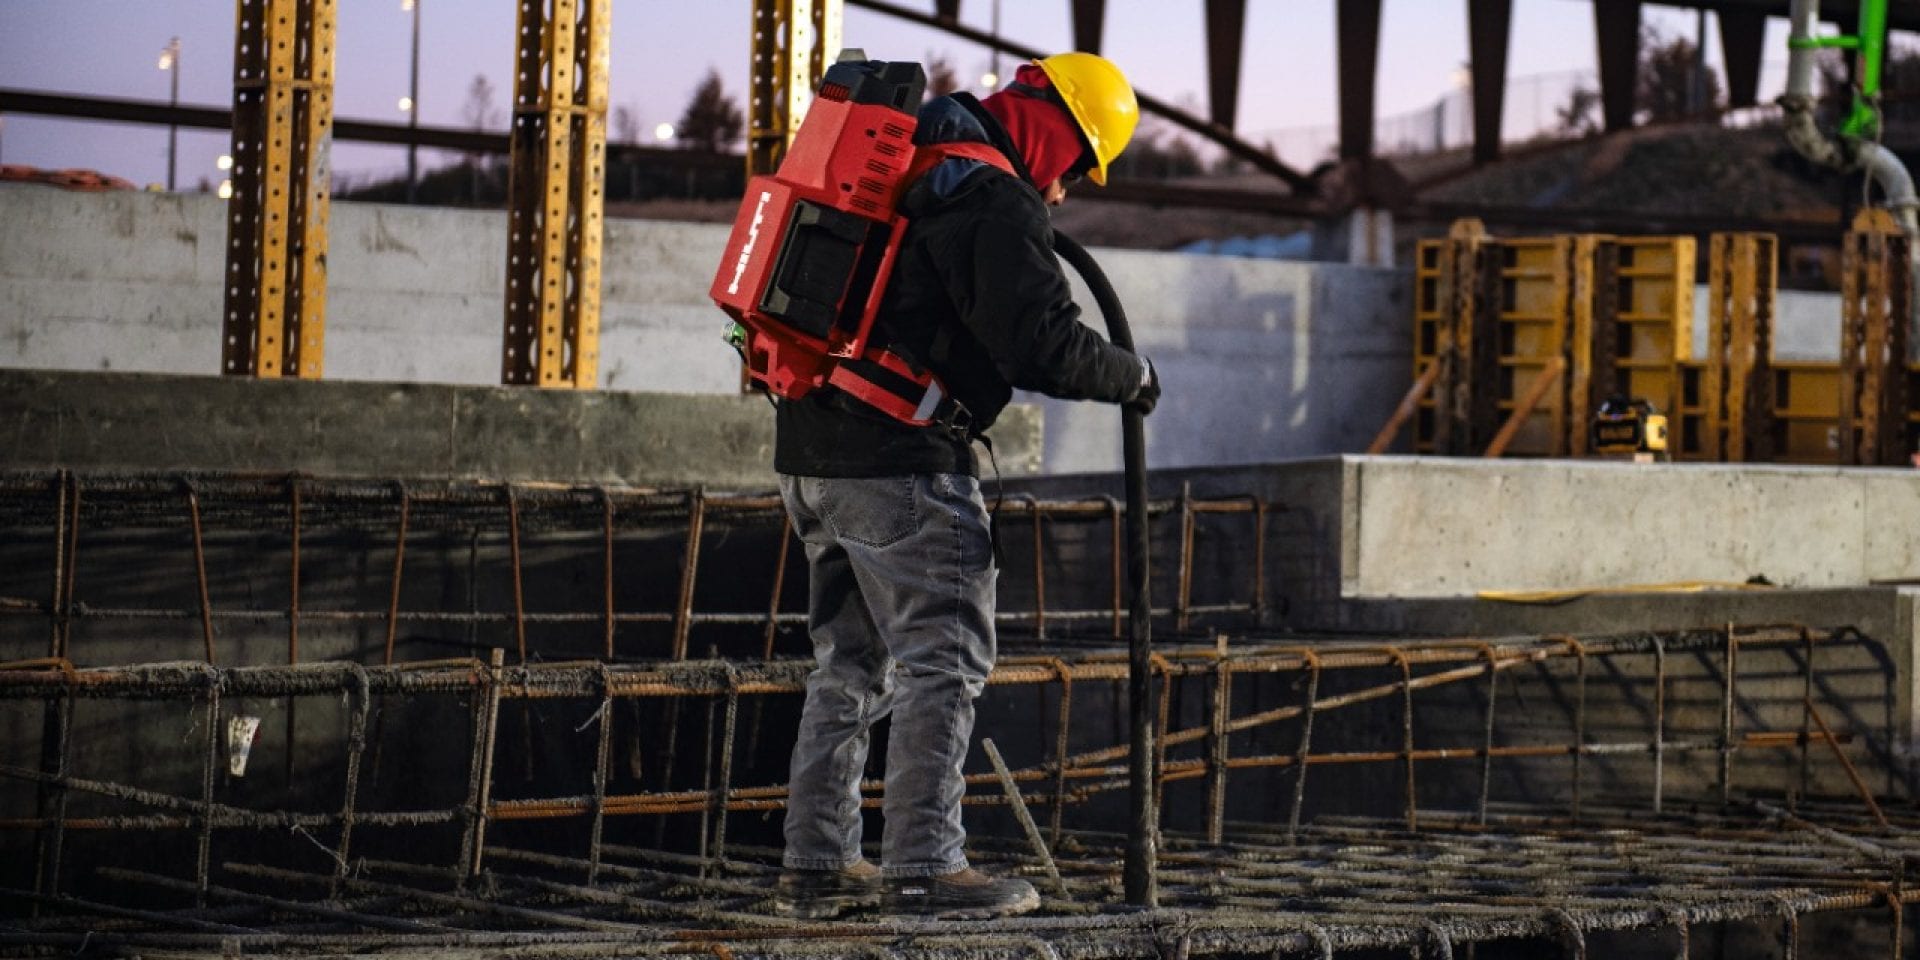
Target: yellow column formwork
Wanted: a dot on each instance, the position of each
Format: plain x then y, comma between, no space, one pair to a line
1734,390
793,43
1876,300
556,194
276,269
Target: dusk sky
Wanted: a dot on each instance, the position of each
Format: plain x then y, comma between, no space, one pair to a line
662,49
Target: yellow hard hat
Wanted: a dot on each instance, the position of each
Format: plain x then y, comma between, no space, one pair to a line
1100,99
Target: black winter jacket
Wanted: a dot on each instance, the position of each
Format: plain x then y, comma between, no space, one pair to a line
978,296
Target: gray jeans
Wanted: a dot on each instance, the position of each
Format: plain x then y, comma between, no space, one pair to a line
901,615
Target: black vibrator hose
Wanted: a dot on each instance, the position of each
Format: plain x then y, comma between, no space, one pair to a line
1142,886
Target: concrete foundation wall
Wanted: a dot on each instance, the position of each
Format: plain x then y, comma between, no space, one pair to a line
1263,360
1424,527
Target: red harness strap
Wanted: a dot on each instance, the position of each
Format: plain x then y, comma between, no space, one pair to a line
886,381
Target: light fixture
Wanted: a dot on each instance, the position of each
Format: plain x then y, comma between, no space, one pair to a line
406,104
224,162
663,132
226,189
989,80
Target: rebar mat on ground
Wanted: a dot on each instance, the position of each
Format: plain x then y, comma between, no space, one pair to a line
1343,884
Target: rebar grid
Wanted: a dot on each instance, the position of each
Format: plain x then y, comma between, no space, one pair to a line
1337,886
1426,877
66,505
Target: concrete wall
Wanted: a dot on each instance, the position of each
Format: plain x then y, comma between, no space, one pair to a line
1263,360
1425,527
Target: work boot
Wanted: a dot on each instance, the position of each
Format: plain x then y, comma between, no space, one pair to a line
824,894
966,894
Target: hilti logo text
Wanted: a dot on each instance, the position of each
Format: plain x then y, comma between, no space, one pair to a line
753,237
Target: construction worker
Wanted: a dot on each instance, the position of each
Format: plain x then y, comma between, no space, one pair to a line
897,536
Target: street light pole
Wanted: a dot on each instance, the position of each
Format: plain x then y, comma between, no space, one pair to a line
170,62
413,104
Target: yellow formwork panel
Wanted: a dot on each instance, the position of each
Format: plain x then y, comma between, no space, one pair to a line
1534,284
1429,313
1806,411
1654,333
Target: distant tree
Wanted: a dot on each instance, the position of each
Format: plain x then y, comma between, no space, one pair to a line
712,120
626,125
942,78
479,112
1672,84
1155,152
1575,117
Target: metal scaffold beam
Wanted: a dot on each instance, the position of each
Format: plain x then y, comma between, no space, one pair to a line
556,194
276,269
793,42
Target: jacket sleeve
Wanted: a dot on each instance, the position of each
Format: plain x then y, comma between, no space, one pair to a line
1009,291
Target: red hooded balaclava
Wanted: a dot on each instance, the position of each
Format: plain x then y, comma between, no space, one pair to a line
1044,132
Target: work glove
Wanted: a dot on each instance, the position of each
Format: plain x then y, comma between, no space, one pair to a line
1148,393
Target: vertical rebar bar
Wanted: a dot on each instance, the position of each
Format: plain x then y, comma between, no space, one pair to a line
293,621
58,602
1486,750
1184,598
293,582
1729,665
1062,726
1119,568
779,583
1039,567
1300,755
602,766
1259,560
1806,717
689,570
1659,721
209,761
361,691
480,766
773,624
519,588
57,738
606,507
1217,753
399,559
56,718
71,576
1406,733
200,569
725,791
1579,720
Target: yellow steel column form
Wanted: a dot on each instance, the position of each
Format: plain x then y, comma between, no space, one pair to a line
277,216
556,194
793,43
1875,300
1736,385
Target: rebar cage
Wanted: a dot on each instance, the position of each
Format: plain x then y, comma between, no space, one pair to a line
533,761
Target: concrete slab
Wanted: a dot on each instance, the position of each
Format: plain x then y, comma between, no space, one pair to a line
151,422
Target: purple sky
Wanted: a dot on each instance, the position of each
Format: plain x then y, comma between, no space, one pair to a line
661,50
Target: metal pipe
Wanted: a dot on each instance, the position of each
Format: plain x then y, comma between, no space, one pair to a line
1845,154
